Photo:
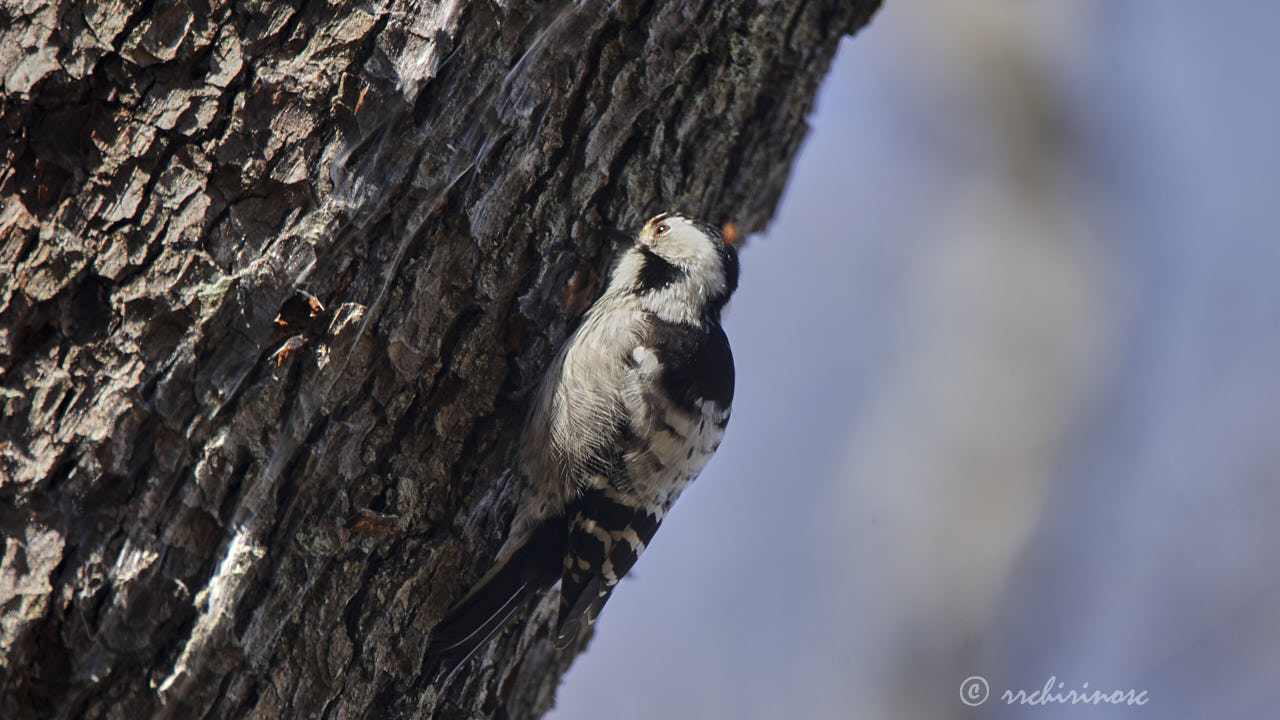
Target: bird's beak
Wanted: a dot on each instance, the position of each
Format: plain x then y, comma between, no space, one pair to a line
620,236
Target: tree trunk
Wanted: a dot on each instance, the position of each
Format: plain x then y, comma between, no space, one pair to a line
222,499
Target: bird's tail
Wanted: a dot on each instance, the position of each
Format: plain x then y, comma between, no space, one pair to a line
532,568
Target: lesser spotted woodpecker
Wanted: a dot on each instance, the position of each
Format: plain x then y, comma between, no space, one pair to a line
630,411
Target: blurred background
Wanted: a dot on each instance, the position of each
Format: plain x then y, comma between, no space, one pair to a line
1008,388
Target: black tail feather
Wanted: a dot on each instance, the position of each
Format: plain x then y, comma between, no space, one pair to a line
495,600
570,615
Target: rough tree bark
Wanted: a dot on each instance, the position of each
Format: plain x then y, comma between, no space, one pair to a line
199,524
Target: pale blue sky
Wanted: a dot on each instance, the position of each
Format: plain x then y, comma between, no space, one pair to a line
1007,388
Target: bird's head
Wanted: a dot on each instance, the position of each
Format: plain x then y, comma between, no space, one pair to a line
681,269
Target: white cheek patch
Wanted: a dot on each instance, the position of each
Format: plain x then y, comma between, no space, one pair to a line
626,271
682,302
686,244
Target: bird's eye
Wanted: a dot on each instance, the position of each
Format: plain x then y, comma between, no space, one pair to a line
662,229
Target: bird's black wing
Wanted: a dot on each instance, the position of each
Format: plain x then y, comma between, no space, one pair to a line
607,533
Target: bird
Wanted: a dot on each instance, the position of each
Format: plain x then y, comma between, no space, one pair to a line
629,412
